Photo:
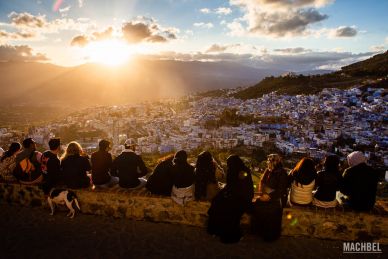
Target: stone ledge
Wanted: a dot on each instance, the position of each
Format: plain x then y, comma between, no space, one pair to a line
141,205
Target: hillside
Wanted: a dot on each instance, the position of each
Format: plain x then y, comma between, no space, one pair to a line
92,84
360,73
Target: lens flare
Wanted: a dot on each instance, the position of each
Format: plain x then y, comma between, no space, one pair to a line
56,5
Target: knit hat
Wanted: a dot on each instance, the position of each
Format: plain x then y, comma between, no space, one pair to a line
356,158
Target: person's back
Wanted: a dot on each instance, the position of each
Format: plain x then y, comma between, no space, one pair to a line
360,185
75,168
52,167
183,175
28,168
101,164
161,180
302,181
129,167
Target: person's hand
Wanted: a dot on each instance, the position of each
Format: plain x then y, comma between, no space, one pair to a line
265,197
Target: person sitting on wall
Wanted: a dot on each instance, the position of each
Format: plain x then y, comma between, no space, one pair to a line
359,183
28,168
75,167
328,183
206,184
101,165
161,180
130,167
302,182
51,165
8,162
270,199
231,202
183,179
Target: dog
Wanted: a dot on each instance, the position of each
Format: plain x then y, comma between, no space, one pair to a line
63,197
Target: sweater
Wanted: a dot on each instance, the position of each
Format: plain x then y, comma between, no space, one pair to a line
101,164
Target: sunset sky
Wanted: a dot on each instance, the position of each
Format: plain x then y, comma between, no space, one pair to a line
307,34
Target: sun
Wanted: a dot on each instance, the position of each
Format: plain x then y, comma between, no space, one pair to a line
108,52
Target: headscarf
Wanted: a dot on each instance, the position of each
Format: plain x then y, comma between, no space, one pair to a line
356,158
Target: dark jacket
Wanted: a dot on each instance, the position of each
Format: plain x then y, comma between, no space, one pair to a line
229,205
129,166
74,170
278,181
161,180
53,168
327,184
203,177
101,164
360,185
183,174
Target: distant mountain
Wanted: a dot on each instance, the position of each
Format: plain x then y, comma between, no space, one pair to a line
92,84
364,73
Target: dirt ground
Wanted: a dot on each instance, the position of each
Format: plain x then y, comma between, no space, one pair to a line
33,233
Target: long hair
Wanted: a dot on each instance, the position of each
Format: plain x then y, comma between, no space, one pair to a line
205,166
304,171
13,148
74,148
331,163
205,173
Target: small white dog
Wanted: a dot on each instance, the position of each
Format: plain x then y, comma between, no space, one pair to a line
63,197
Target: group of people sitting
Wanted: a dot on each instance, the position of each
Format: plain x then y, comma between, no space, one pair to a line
174,176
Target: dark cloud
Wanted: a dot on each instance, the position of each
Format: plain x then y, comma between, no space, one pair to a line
277,18
290,62
19,53
292,50
278,24
345,32
136,32
146,30
28,20
80,41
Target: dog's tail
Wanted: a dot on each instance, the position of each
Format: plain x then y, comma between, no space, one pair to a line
76,203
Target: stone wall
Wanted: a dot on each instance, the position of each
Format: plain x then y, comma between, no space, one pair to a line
141,205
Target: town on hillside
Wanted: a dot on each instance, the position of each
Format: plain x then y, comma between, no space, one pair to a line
332,121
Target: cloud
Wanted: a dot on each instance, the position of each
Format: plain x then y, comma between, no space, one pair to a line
346,31
141,29
221,48
223,10
6,36
293,50
386,40
106,34
208,25
277,18
219,10
305,61
64,11
27,20
378,48
80,41
19,53
81,3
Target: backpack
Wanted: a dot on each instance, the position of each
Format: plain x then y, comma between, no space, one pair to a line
26,171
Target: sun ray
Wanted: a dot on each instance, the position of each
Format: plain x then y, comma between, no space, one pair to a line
109,52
